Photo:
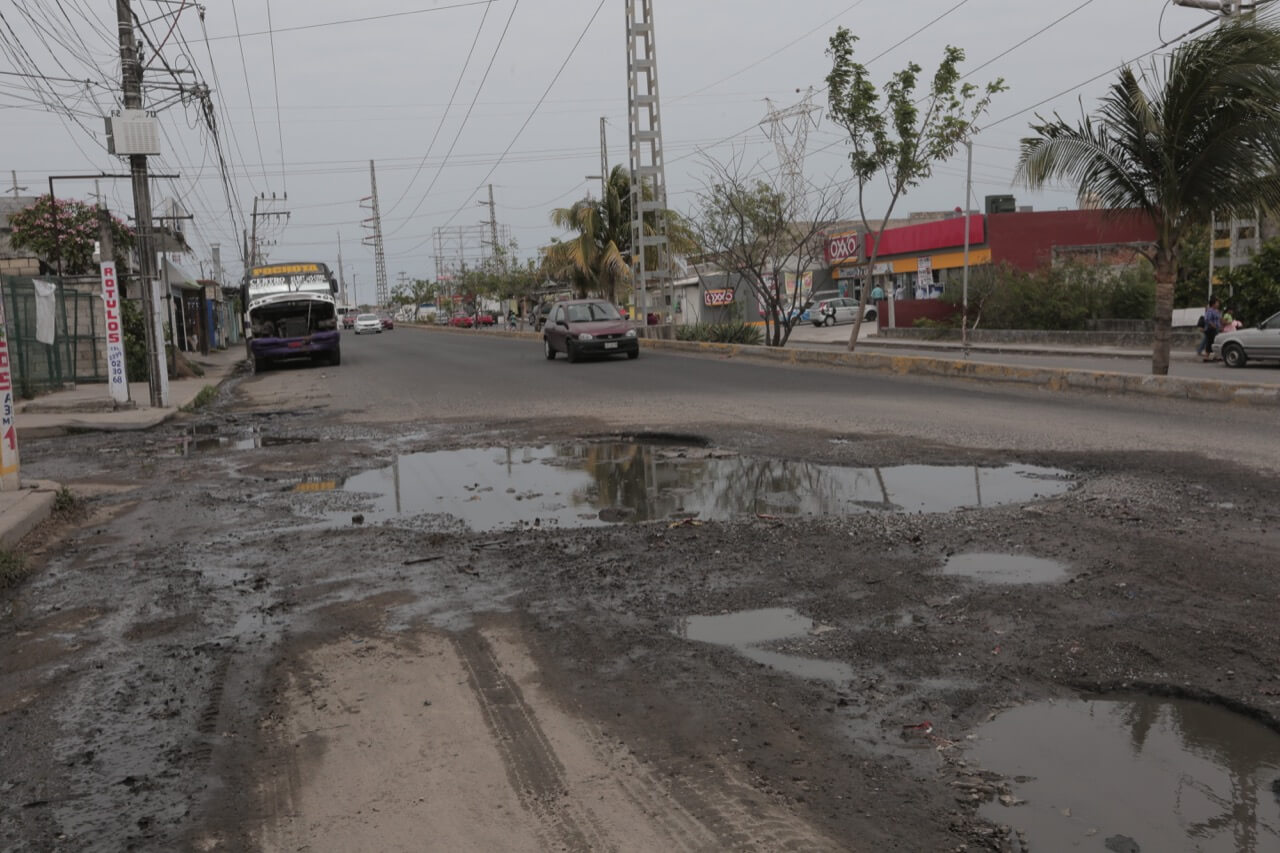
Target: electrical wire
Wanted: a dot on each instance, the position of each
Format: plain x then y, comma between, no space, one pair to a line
454,94
244,66
356,20
275,80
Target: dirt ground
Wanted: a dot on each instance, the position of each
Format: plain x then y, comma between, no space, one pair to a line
213,654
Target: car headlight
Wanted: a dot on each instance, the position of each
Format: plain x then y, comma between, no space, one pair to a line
631,333
586,336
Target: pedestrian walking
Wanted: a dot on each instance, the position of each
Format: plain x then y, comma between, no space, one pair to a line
1212,325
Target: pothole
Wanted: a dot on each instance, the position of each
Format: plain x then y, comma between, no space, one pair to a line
587,484
1005,568
1132,774
748,631
205,438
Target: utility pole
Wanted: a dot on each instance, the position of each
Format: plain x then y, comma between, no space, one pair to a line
131,74
650,246
494,248
342,281
604,162
15,190
254,253
968,192
374,224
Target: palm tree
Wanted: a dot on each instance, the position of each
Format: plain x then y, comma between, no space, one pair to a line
1202,138
596,259
599,258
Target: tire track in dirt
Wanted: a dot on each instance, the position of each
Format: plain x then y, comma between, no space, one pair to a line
535,773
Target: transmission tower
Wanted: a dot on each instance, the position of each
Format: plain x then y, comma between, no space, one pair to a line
789,129
650,247
374,224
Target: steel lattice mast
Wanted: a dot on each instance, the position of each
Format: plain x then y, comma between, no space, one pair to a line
789,130
650,247
374,224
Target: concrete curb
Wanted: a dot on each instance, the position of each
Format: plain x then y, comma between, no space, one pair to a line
24,510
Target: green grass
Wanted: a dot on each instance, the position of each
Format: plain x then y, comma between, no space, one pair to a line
206,396
64,501
12,568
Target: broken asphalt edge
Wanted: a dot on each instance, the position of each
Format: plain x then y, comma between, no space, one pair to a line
25,509
1046,378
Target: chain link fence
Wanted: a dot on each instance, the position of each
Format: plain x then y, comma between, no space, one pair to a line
78,351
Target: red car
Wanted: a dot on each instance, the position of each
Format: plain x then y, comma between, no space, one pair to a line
462,321
387,322
484,318
585,327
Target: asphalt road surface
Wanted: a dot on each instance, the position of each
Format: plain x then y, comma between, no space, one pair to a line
427,373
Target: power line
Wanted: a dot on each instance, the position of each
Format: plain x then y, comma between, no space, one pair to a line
465,118
1038,32
454,94
532,113
275,80
244,66
356,20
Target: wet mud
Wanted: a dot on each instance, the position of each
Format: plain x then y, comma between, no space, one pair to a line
816,635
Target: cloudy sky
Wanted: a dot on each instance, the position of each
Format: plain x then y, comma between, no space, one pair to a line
448,96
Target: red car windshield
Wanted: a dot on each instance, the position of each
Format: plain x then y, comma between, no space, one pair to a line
592,312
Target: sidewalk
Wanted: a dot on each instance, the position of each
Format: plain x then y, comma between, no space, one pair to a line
88,407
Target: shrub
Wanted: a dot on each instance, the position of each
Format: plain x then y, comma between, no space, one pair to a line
721,333
12,568
1058,298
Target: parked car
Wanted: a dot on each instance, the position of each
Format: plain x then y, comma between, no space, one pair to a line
1244,345
388,322
485,318
581,327
461,321
842,309
442,318
368,323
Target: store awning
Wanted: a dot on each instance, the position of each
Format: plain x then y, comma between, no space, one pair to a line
179,279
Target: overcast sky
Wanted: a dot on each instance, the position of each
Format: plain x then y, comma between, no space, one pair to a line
379,89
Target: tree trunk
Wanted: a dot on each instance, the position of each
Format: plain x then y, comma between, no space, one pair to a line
1166,273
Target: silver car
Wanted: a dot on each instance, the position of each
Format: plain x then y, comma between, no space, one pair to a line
1242,346
368,323
844,309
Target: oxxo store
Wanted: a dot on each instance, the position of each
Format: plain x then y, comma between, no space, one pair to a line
914,261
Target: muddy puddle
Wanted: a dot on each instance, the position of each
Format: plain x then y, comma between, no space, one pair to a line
595,483
1135,774
207,438
1004,568
749,632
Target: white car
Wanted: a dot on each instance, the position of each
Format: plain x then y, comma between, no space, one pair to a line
1244,345
844,309
368,323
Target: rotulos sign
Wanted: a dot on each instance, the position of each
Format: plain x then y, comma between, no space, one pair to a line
117,380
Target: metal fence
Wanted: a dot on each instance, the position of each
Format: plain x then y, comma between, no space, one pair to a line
77,353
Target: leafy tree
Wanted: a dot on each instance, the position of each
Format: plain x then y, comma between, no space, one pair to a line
1255,287
752,230
901,136
59,230
1197,133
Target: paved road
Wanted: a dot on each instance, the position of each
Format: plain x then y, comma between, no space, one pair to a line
414,374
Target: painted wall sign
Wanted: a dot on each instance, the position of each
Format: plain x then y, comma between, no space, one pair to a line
8,421
716,298
117,378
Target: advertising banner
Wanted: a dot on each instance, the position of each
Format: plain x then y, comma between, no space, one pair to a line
719,297
8,416
841,248
117,378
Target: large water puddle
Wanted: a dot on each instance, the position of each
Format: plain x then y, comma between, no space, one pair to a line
1004,568
749,630
1143,774
586,484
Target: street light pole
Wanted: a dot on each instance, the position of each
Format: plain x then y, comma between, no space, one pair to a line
968,191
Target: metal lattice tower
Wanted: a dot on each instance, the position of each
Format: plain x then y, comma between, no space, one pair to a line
789,129
650,247
374,224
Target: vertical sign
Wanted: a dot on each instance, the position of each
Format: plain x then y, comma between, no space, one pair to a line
8,426
117,379
924,276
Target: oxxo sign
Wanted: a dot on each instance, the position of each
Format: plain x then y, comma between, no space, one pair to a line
8,426
117,379
842,248
716,298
